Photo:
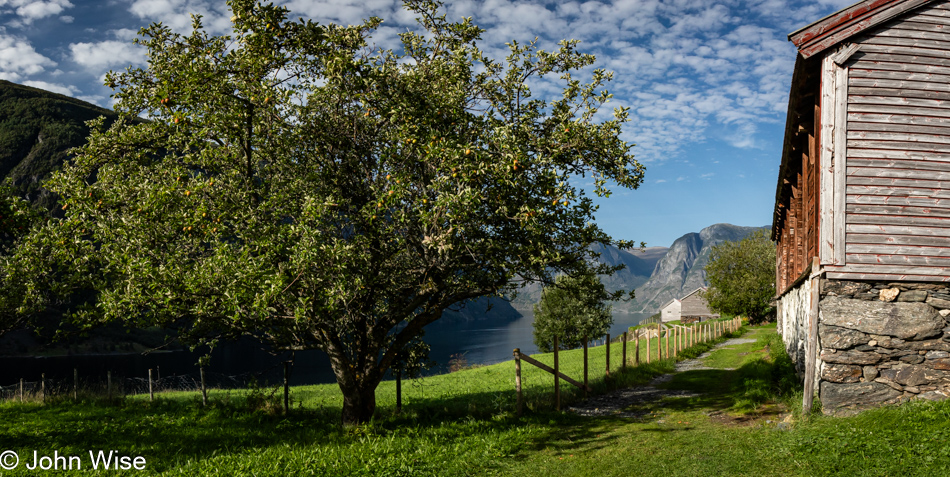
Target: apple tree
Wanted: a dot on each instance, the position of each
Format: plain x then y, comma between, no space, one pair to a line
296,183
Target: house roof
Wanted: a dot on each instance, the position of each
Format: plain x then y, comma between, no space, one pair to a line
844,24
668,303
693,293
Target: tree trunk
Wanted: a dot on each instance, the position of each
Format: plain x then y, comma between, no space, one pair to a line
359,403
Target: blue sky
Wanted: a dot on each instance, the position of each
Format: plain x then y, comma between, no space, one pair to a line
707,81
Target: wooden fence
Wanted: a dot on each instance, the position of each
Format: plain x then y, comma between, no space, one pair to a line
677,338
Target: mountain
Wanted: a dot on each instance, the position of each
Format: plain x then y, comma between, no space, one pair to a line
682,269
37,128
639,266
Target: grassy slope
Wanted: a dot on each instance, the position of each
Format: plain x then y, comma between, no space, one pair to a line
462,424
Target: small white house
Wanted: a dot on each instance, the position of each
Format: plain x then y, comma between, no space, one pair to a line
671,310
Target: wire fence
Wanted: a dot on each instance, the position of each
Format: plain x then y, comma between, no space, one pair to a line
111,386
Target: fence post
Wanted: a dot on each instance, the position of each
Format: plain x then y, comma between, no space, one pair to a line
109,384
43,386
286,387
557,378
648,345
608,356
520,401
151,395
21,390
398,391
75,384
668,344
624,363
585,366
204,390
636,359
659,343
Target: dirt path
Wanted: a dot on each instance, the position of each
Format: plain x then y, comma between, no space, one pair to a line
615,403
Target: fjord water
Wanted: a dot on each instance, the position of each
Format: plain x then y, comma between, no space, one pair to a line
479,342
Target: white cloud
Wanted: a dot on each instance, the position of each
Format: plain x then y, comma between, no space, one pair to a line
176,14
660,181
105,55
30,10
18,58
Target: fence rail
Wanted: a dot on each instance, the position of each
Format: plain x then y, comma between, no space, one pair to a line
682,337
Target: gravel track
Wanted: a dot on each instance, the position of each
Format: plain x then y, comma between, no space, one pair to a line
616,403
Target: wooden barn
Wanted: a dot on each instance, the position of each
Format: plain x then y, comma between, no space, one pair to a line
694,308
862,206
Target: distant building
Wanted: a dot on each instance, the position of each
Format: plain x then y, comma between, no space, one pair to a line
671,311
694,307
689,309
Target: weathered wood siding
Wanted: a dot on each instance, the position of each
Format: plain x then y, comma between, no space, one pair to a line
898,151
694,305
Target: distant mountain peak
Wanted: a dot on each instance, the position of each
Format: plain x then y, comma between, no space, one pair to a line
682,268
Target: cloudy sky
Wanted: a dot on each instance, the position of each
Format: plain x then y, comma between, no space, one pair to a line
707,81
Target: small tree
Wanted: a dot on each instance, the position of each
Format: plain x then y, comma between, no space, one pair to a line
574,307
742,277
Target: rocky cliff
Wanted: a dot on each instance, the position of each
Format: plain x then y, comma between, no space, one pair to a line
682,269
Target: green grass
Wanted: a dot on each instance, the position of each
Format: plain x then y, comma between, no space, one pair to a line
464,424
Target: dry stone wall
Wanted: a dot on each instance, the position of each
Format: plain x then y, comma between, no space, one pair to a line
882,343
794,323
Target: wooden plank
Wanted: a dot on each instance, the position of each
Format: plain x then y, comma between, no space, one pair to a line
897,154
924,107
894,64
843,55
928,17
549,369
898,230
898,182
890,277
898,119
826,163
898,30
840,161
899,201
898,84
858,126
933,78
871,259
900,145
895,269
909,220
899,93
898,137
886,164
898,210
899,250
912,240
902,57
867,48
904,110
897,173
898,191
911,24
907,42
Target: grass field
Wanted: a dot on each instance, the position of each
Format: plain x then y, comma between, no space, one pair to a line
463,424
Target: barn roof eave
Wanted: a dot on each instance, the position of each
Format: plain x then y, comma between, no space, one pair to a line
848,22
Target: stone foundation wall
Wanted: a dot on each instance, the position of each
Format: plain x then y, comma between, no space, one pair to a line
793,326
881,343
